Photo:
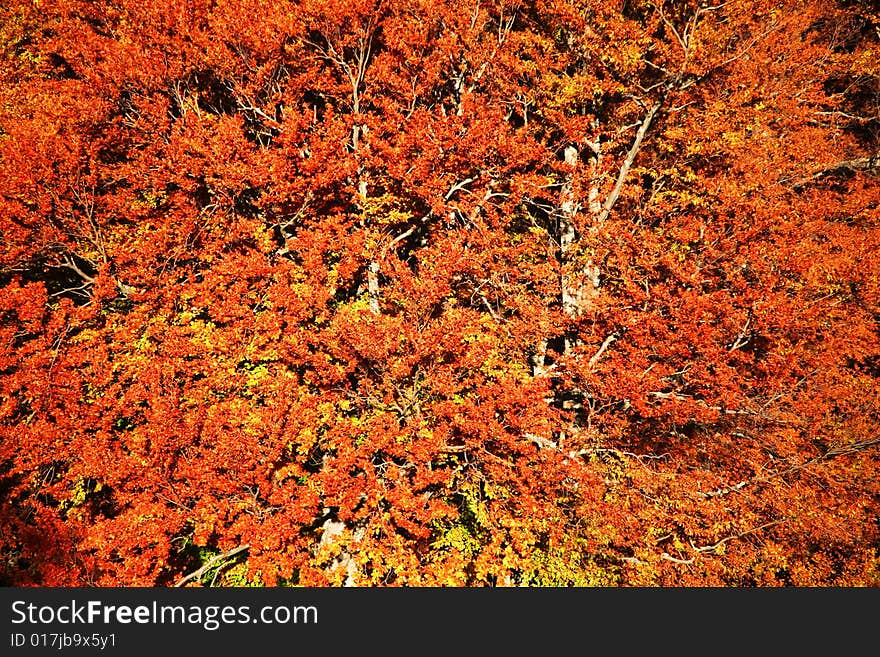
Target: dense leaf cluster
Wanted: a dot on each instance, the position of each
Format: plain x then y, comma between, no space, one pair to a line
566,292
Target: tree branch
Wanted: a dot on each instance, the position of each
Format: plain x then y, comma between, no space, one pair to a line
213,561
827,456
714,546
608,342
857,164
628,161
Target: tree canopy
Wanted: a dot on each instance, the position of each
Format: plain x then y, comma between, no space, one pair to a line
420,292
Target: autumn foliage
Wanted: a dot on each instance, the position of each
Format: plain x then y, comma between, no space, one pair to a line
422,292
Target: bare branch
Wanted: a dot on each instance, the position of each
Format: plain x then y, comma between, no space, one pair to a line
852,117
832,453
743,338
211,563
681,41
608,342
714,546
296,216
459,186
630,158
857,164
69,263
669,557
720,409
541,442
397,240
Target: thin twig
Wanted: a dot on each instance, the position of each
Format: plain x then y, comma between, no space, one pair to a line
715,546
669,557
827,456
628,161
